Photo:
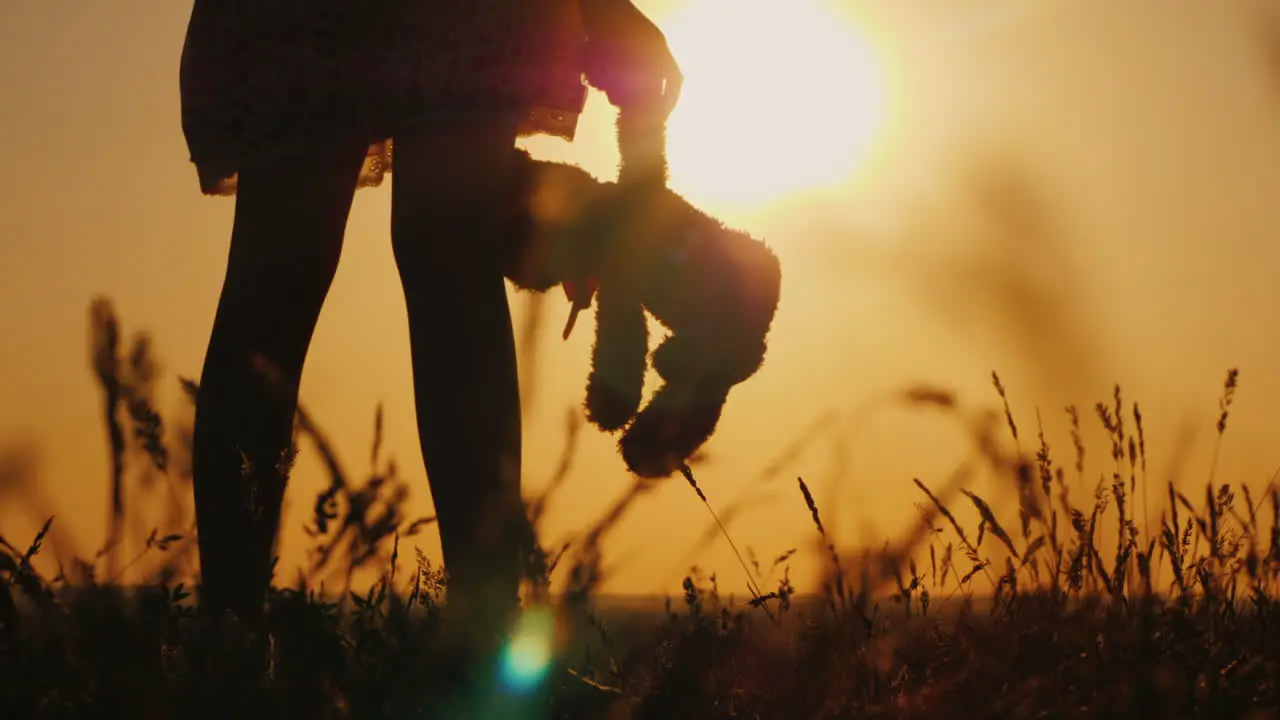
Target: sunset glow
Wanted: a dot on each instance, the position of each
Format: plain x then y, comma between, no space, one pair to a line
779,98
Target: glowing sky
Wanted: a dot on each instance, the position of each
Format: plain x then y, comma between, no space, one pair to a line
1139,142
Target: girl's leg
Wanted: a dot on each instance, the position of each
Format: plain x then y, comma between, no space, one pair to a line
448,192
290,218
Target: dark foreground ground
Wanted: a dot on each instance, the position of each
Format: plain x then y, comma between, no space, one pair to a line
1025,655
1086,613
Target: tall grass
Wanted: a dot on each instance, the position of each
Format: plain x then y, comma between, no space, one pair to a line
1050,609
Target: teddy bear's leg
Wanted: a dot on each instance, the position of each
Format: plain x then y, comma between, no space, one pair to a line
618,360
686,358
670,429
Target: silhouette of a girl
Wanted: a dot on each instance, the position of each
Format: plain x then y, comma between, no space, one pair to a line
291,105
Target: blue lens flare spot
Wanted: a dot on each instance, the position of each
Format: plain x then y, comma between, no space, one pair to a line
526,659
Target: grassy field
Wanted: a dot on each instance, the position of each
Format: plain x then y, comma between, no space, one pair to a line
1058,611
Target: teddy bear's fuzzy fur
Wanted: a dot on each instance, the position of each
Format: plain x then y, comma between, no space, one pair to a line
715,289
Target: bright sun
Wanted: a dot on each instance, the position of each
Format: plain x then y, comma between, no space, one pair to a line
779,98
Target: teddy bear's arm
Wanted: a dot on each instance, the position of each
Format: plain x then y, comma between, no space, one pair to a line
618,360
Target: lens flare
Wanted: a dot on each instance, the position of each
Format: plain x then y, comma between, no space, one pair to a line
527,658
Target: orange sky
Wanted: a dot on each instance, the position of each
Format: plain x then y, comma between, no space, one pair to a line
1146,134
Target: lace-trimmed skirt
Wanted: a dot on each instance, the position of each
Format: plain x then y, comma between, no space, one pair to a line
260,77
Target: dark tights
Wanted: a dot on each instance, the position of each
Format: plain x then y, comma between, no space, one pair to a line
290,218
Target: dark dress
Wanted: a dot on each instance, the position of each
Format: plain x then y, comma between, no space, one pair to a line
259,77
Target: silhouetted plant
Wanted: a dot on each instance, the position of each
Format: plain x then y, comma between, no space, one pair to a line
1025,615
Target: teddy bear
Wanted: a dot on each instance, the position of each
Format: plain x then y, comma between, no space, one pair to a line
634,247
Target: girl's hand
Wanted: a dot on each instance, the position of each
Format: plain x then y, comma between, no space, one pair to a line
627,57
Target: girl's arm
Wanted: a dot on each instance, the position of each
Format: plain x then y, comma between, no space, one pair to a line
628,57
